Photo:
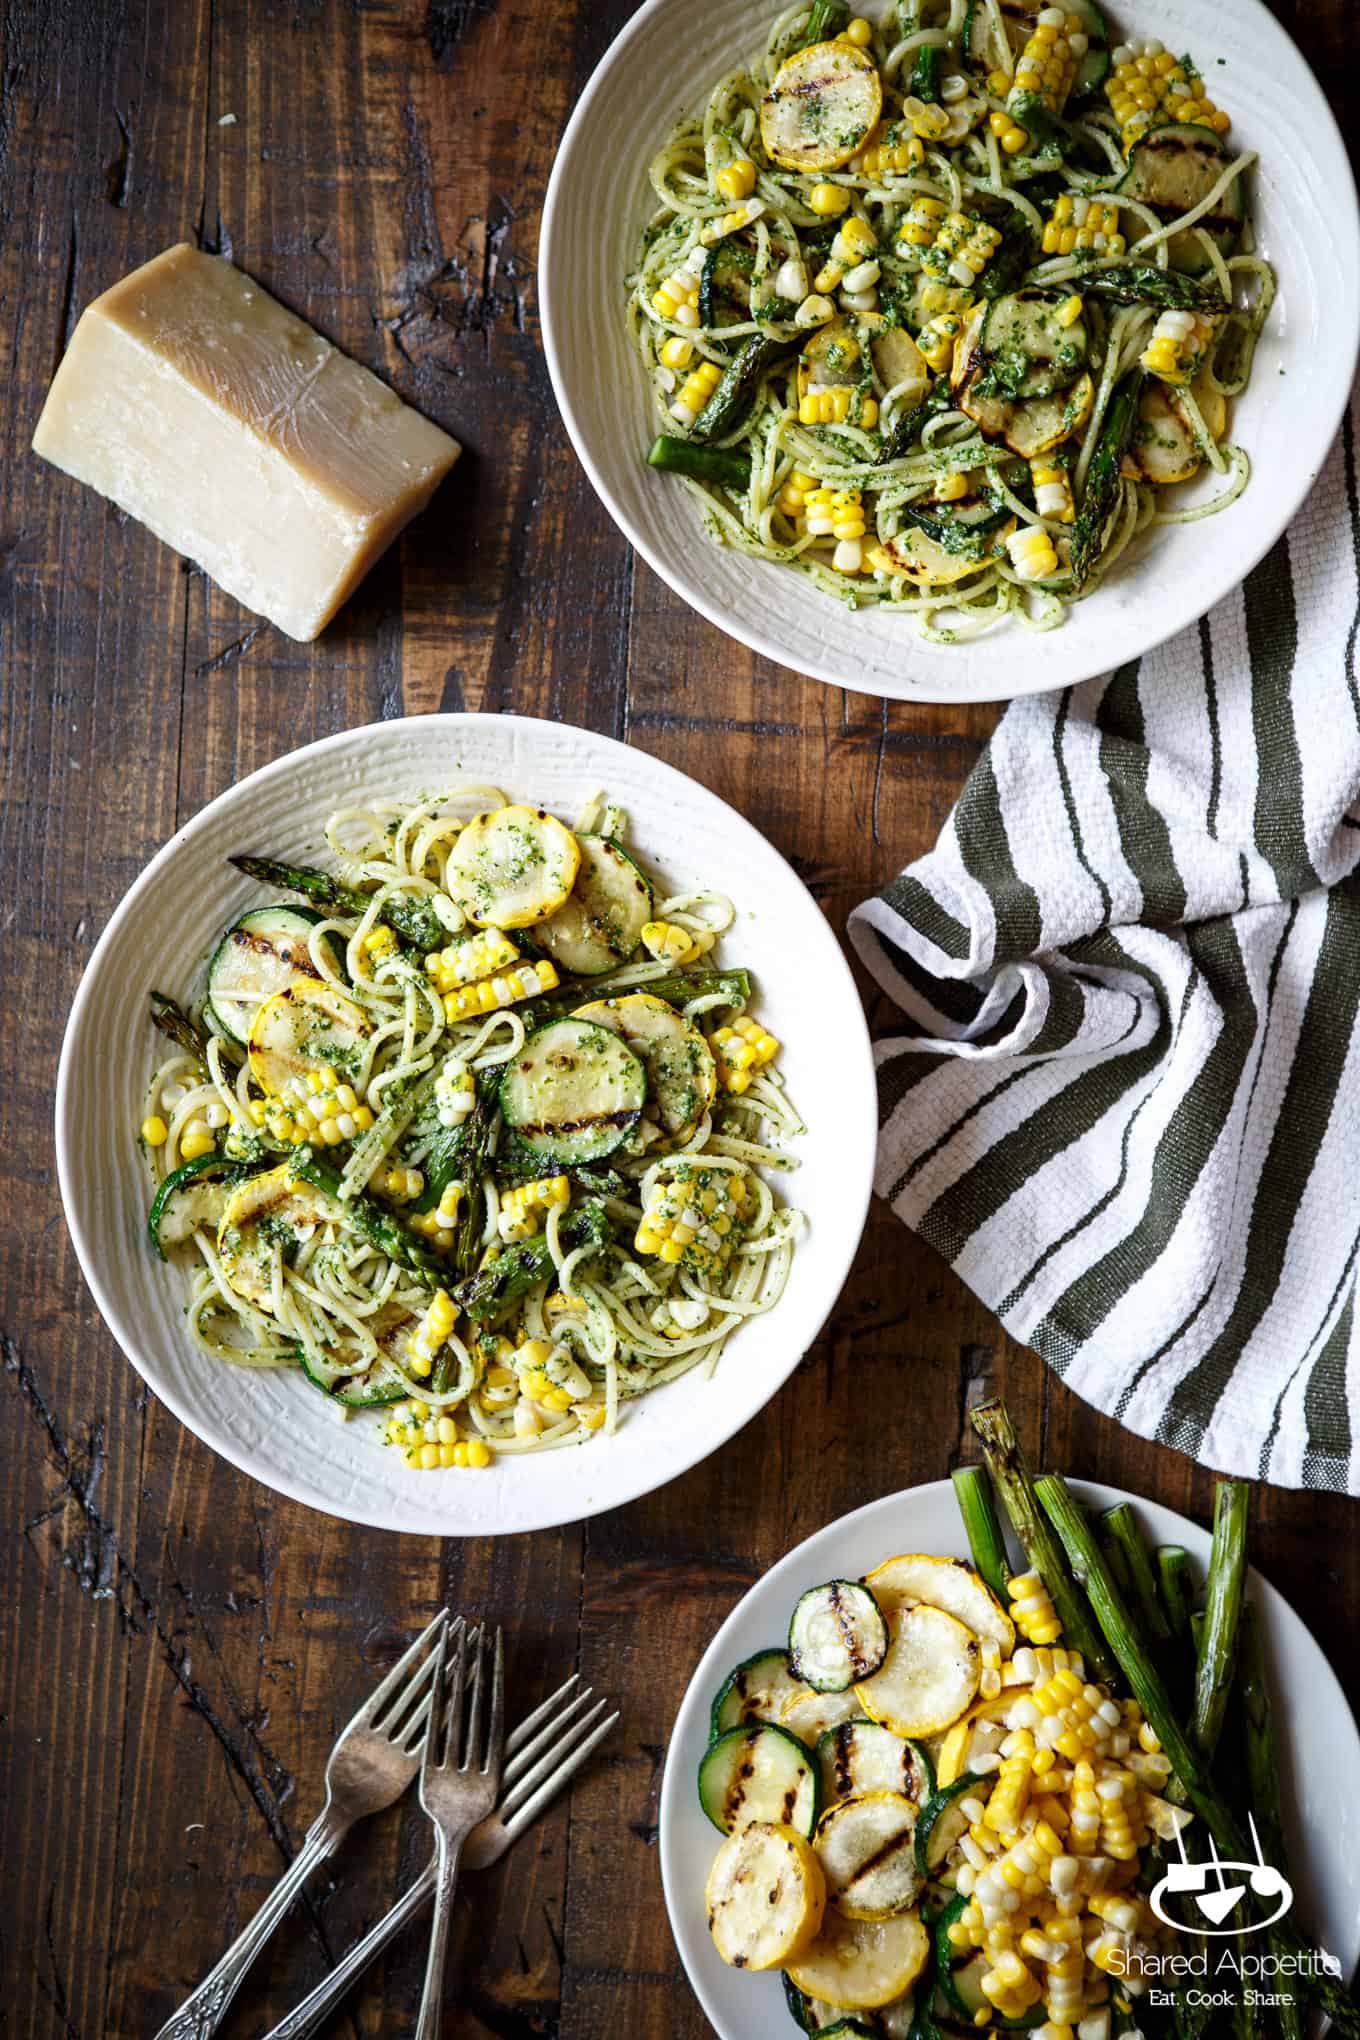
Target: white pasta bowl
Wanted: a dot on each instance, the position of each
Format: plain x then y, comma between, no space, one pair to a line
1310,1713
274,1425
663,66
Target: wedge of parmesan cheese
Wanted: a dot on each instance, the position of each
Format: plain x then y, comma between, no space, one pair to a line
194,401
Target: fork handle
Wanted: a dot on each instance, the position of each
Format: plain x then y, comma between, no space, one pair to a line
447,1856
201,2015
305,2017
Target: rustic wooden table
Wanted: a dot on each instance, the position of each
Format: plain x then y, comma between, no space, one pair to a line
178,1645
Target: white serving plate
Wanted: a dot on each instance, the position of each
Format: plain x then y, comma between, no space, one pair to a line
664,64
1315,1731
274,1425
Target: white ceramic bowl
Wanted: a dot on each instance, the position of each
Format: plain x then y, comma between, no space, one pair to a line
274,1425
1311,1714
664,64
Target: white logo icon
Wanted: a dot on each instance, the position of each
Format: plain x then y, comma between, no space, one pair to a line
1216,1900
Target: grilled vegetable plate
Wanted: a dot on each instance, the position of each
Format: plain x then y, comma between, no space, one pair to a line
682,1080
754,1690
759,1773
824,102
765,1897
948,1583
573,1092
808,1714
600,925
264,952
512,867
862,1756
929,1675
311,1030
837,1636
868,1857
858,1965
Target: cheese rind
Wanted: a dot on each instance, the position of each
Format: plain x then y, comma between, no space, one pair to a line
200,405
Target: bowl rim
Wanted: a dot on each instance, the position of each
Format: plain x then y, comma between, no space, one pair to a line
677,1797
1280,509
731,1414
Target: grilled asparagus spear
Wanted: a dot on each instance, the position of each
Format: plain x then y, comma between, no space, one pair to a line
414,921
1102,477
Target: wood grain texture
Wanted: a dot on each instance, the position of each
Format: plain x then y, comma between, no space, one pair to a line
178,1646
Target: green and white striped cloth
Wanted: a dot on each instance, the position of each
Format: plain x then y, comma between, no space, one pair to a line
1128,1109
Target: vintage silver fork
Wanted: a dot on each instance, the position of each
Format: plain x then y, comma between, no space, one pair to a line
549,1747
460,1778
372,1764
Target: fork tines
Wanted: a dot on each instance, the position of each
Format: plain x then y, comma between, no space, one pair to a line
455,1744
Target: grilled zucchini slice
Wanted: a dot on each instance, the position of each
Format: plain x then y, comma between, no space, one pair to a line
859,1965
512,867
809,1714
948,1583
824,102
837,1636
309,1030
862,1756
1041,423
813,2015
941,1822
574,1091
866,1848
192,1199
1030,354
960,1979
682,1079
1170,171
1164,446
929,1676
601,925
765,1897
754,1690
922,558
275,1209
899,363
264,952
759,1772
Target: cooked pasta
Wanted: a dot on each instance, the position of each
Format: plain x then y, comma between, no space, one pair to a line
936,308
479,1136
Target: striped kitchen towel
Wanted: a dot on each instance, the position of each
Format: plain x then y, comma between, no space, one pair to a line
1127,1110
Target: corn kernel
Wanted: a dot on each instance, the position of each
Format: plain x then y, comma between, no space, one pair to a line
829,201
487,995
155,1132
736,179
